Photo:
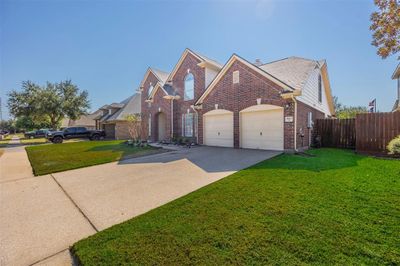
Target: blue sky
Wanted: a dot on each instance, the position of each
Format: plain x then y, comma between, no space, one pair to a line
105,47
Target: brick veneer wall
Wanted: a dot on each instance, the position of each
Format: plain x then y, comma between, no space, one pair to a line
159,104
302,119
181,106
236,97
122,130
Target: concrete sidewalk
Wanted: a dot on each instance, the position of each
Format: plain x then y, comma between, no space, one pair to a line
14,164
43,216
37,219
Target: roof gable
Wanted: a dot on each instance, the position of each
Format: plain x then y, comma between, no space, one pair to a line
327,86
159,74
230,62
204,61
131,105
156,87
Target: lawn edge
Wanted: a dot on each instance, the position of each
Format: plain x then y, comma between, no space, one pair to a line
153,151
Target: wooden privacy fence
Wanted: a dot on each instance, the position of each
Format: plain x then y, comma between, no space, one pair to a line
336,133
367,133
375,130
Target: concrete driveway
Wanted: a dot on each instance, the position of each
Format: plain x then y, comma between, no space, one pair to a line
43,216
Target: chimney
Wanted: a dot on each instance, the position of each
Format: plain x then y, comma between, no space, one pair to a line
258,62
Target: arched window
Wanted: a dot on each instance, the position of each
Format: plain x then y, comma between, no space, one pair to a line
150,89
189,87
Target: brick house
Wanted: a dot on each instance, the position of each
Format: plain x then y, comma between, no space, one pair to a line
88,121
112,117
239,104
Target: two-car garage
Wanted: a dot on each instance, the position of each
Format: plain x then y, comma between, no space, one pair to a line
260,127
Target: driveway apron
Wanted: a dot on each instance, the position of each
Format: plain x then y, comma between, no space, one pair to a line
41,217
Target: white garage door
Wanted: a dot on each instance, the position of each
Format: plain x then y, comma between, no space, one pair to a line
218,128
262,128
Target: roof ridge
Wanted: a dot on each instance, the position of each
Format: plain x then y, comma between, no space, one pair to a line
275,61
204,57
294,57
157,69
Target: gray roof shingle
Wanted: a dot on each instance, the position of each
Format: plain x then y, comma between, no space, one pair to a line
294,71
131,105
163,76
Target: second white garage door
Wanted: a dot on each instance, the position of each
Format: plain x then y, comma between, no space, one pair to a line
218,128
262,128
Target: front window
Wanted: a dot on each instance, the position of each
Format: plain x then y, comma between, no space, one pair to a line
189,87
150,89
187,125
149,125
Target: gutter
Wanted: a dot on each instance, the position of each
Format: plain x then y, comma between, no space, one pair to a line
172,118
295,122
197,123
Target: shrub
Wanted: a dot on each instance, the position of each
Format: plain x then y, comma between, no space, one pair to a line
394,146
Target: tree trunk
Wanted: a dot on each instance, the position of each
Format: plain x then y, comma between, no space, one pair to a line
53,122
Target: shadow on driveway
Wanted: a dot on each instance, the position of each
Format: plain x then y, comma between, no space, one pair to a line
209,159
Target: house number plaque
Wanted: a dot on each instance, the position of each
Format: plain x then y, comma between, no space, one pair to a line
288,119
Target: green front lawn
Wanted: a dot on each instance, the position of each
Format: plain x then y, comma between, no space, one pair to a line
46,159
334,208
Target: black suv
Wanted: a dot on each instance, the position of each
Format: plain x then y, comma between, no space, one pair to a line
74,133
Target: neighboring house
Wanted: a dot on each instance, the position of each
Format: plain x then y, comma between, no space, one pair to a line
112,118
87,121
239,104
396,75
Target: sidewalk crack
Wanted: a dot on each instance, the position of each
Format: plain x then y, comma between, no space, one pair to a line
76,205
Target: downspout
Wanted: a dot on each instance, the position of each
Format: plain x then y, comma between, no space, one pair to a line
197,123
172,118
295,122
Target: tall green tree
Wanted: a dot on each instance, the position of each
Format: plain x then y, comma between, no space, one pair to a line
386,27
26,123
8,125
350,111
343,111
52,102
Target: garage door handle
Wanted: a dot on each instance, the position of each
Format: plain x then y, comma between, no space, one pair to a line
218,133
260,133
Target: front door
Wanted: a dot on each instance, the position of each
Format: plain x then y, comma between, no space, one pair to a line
161,124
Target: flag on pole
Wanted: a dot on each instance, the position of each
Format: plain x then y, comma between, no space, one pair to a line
372,106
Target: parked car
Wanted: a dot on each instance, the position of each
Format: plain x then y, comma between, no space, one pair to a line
41,133
4,132
74,133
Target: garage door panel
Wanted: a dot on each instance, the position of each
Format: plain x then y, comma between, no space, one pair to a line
218,130
262,129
